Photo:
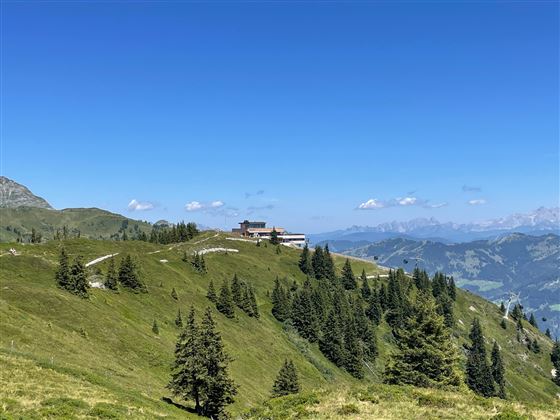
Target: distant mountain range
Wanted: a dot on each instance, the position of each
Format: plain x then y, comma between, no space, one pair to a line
518,263
13,195
541,221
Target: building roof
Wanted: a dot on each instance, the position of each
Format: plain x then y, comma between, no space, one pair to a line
248,221
265,230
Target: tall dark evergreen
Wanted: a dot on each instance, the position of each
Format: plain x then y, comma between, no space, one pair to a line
303,314
348,278
236,291
328,262
354,352
111,278
331,342
533,320
274,240
421,279
253,303
395,304
498,371
366,290
287,381
451,288
128,275
225,301
78,281
374,310
62,275
555,359
478,372
211,293
280,302
318,263
305,264
179,319
426,355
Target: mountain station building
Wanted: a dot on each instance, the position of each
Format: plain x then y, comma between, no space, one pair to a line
260,231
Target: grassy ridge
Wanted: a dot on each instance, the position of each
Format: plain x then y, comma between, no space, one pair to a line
105,350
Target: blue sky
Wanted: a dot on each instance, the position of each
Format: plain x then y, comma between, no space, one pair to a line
298,113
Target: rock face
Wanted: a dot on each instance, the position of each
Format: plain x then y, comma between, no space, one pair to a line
14,195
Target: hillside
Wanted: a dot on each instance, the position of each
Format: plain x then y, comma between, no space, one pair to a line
518,263
64,356
87,222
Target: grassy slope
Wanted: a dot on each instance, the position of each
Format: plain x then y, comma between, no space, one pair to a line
91,222
122,367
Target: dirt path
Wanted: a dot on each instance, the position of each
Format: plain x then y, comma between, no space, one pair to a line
98,260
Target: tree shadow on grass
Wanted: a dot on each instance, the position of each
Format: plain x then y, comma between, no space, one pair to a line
180,406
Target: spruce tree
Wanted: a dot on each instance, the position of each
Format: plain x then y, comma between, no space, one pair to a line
287,381
502,308
503,323
374,310
451,288
62,275
329,271
395,310
111,278
211,294
219,388
225,301
366,290
547,333
533,321
128,275
280,302
331,342
498,371
236,291
353,351
155,327
318,264
253,303
188,378
78,281
179,319
348,279
274,240
305,264
478,372
426,355
303,315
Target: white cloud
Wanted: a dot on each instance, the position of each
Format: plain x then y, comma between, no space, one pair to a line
406,201
193,206
470,188
477,202
436,206
372,203
136,205
216,204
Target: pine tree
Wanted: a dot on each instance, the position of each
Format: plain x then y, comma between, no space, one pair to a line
111,278
128,275
328,262
517,313
426,355
62,275
155,328
533,321
225,301
451,288
348,279
478,373
78,281
318,264
395,311
303,315
287,381
253,303
305,264
179,319
236,291
354,352
331,342
174,294
498,371
219,389
503,323
547,333
211,294
188,377
502,308
366,290
421,279
274,240
374,310
280,302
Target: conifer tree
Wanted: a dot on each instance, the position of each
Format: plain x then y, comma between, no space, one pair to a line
478,372
421,279
498,371
274,240
179,319
78,281
374,310
155,327
502,308
503,323
534,346
394,315
253,303
366,290
354,351
382,296
451,288
305,264
280,302
174,294
225,301
318,264
236,292
348,279
303,315
517,313
331,342
547,333
128,275
188,378
287,381
211,294
219,388
426,355
111,278
533,321
62,275
328,262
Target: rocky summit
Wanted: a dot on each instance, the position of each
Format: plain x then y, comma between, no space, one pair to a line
14,195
